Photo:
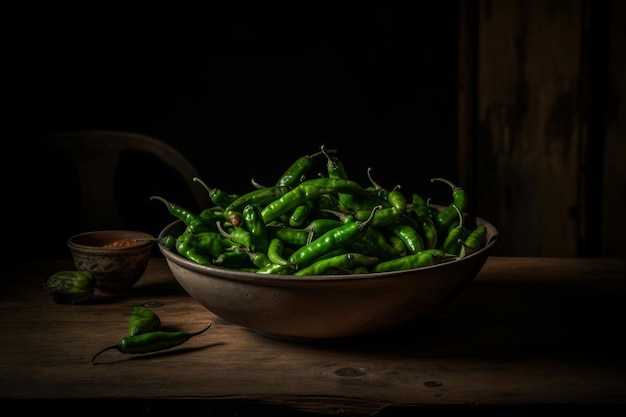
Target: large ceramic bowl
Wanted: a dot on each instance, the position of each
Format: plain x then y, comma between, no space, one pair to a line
309,308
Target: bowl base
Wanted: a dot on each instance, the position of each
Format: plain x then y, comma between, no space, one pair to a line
101,295
310,340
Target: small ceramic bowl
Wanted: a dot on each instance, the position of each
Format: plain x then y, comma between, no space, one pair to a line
117,258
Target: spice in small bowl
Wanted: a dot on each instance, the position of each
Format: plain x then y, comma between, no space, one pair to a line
122,243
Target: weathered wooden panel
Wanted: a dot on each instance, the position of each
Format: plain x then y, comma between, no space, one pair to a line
614,173
529,124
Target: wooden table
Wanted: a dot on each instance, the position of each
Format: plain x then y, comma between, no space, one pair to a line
528,333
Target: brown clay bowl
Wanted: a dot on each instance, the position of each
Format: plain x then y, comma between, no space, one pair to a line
114,257
310,308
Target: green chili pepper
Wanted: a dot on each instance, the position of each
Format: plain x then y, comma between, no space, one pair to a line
420,259
363,202
335,252
193,221
150,342
211,216
262,197
338,237
397,200
254,223
336,170
301,213
239,235
398,245
297,170
234,259
334,166
288,235
277,269
451,244
409,236
186,247
70,287
459,196
219,197
420,207
169,242
283,219
346,216
427,226
384,193
310,190
347,199
374,243
207,244
473,242
303,236
292,199
326,201
444,219
429,232
258,259
341,262
340,186
212,244
383,217
318,227
142,320
275,252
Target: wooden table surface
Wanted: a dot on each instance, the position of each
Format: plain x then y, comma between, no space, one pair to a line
527,333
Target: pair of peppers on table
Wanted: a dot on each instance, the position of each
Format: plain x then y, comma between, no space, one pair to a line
323,225
145,334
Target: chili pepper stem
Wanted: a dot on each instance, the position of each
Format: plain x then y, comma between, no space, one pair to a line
113,347
256,184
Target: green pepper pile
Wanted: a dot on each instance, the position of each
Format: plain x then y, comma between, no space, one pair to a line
327,224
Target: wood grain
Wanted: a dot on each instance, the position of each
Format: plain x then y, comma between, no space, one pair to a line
527,331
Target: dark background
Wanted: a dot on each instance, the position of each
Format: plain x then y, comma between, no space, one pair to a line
241,91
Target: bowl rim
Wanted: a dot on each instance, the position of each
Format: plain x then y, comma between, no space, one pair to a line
231,274
72,241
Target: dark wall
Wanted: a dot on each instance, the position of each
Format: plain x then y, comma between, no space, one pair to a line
243,92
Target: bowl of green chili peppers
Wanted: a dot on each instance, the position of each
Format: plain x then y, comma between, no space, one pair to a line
314,257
